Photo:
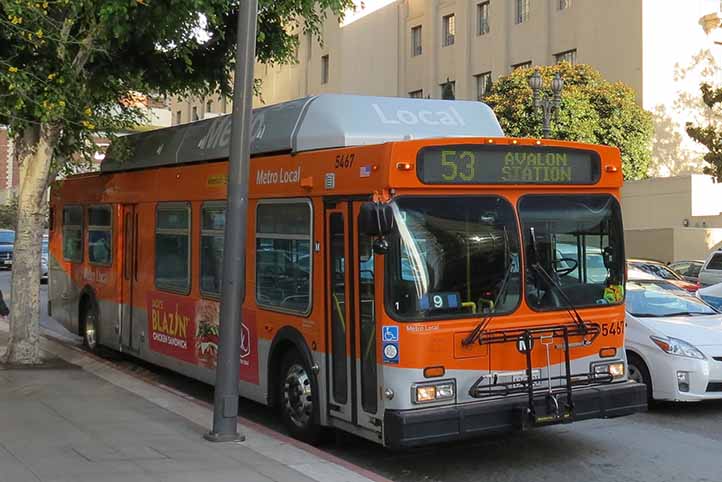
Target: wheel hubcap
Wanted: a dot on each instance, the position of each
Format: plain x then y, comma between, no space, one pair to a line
635,374
297,396
90,330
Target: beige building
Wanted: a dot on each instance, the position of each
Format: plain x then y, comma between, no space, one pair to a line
673,218
663,49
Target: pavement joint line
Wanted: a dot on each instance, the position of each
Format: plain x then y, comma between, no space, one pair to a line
58,346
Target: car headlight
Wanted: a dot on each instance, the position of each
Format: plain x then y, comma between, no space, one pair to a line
605,370
675,346
433,392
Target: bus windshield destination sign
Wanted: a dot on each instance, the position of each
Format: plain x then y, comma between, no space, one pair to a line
479,164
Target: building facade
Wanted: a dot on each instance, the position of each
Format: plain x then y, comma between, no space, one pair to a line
663,49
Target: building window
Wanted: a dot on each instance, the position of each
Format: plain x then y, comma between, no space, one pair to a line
324,69
100,234
416,41
194,113
73,233
568,56
522,65
449,30
178,117
213,224
483,85
172,247
563,4
283,255
448,90
209,106
522,11
483,13
416,94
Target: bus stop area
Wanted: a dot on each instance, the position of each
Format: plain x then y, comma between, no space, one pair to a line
81,419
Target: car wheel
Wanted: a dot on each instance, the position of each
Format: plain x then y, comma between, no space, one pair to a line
639,372
299,399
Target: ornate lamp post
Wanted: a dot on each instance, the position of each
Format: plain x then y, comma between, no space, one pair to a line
548,106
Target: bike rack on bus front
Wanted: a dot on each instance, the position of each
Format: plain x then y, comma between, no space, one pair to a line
525,341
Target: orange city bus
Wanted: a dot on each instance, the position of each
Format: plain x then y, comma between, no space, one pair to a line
413,276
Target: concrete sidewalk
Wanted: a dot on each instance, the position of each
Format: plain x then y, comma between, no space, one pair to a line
84,420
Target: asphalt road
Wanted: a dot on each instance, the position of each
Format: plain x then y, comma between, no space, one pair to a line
672,442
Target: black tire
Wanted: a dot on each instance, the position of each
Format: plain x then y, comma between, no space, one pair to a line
89,326
638,371
298,397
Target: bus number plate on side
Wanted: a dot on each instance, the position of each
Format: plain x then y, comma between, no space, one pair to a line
344,161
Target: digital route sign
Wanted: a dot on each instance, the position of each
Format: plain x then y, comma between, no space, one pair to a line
483,164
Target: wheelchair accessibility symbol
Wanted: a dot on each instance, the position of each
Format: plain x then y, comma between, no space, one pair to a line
391,333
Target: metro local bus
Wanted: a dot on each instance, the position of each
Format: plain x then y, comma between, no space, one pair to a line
413,276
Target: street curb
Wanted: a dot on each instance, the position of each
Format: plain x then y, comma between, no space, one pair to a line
325,468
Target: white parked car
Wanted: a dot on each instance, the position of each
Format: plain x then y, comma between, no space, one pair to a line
712,295
711,272
673,342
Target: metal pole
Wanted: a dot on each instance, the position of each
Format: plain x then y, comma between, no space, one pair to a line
225,407
546,111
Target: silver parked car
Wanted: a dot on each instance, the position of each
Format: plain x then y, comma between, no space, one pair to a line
711,272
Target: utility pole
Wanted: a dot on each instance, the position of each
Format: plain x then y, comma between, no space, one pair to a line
233,290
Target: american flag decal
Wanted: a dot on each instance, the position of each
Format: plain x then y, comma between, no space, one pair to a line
365,171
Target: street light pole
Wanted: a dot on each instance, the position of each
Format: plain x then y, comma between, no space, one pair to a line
233,290
548,106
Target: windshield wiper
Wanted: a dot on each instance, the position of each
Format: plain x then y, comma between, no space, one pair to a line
481,326
662,315
544,274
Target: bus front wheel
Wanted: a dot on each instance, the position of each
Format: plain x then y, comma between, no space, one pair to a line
299,399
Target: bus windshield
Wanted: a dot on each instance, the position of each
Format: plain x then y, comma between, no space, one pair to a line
453,257
577,239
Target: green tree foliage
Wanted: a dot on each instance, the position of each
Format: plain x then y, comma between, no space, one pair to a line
76,63
710,135
592,110
72,69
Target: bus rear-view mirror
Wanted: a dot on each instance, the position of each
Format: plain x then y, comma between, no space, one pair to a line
376,219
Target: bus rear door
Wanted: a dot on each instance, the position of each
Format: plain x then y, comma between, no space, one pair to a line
128,339
353,379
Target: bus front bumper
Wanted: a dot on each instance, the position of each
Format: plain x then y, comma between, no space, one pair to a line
413,428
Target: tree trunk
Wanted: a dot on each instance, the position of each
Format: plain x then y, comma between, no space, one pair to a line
36,147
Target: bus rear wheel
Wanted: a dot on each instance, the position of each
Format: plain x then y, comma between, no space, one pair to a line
90,326
299,399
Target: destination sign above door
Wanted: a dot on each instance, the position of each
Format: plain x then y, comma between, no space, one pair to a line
484,164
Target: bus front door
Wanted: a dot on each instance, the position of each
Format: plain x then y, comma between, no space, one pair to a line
353,392
129,246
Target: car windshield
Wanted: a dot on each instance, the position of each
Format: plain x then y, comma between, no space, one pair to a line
652,299
577,240
7,237
450,257
656,269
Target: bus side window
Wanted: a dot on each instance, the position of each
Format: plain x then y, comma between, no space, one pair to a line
172,247
283,255
73,234
213,223
100,234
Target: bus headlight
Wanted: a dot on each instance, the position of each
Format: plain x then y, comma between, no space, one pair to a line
604,370
433,392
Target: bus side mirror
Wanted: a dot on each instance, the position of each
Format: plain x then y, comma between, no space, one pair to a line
376,219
